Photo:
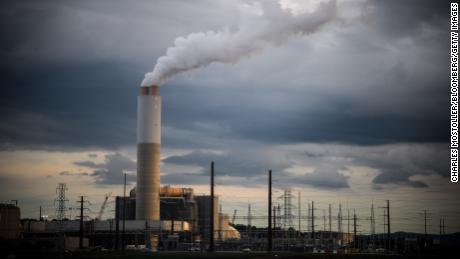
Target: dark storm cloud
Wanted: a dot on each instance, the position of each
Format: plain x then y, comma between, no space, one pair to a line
249,167
70,72
70,82
402,18
326,176
397,176
398,164
395,163
89,164
334,122
236,163
67,173
112,169
66,106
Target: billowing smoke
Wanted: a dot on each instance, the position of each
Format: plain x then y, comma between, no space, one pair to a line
274,26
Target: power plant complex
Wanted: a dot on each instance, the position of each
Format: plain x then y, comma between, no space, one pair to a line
151,216
154,217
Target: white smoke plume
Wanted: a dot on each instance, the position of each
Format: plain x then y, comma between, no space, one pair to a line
274,27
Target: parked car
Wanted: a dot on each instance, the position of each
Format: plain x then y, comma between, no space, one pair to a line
246,250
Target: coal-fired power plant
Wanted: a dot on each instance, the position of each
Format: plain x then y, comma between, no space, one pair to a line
148,153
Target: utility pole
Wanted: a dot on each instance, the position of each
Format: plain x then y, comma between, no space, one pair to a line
309,218
354,229
440,227
324,220
324,225
299,214
388,225
372,219
81,222
270,234
329,243
279,215
249,216
330,221
443,227
211,236
41,217
82,208
220,222
313,219
124,216
339,224
339,219
424,213
117,226
372,224
348,219
248,228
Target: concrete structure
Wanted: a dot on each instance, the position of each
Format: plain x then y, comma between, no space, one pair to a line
73,226
148,154
204,220
10,222
130,208
175,204
224,229
180,204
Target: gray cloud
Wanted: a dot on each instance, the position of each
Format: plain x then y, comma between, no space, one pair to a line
80,90
67,173
325,176
89,164
112,169
246,162
394,164
70,72
402,18
397,164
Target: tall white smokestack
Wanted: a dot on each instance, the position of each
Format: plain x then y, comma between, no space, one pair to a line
148,154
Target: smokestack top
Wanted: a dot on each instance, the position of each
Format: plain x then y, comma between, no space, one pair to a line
149,90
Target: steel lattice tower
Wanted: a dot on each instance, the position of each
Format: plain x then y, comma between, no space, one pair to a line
287,207
60,201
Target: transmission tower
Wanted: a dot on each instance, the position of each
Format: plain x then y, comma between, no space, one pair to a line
60,201
308,218
339,219
249,216
372,220
287,207
330,220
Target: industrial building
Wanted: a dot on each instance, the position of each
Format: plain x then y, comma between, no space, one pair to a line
10,221
181,204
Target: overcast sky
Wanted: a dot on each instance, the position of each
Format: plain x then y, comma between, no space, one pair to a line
353,112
